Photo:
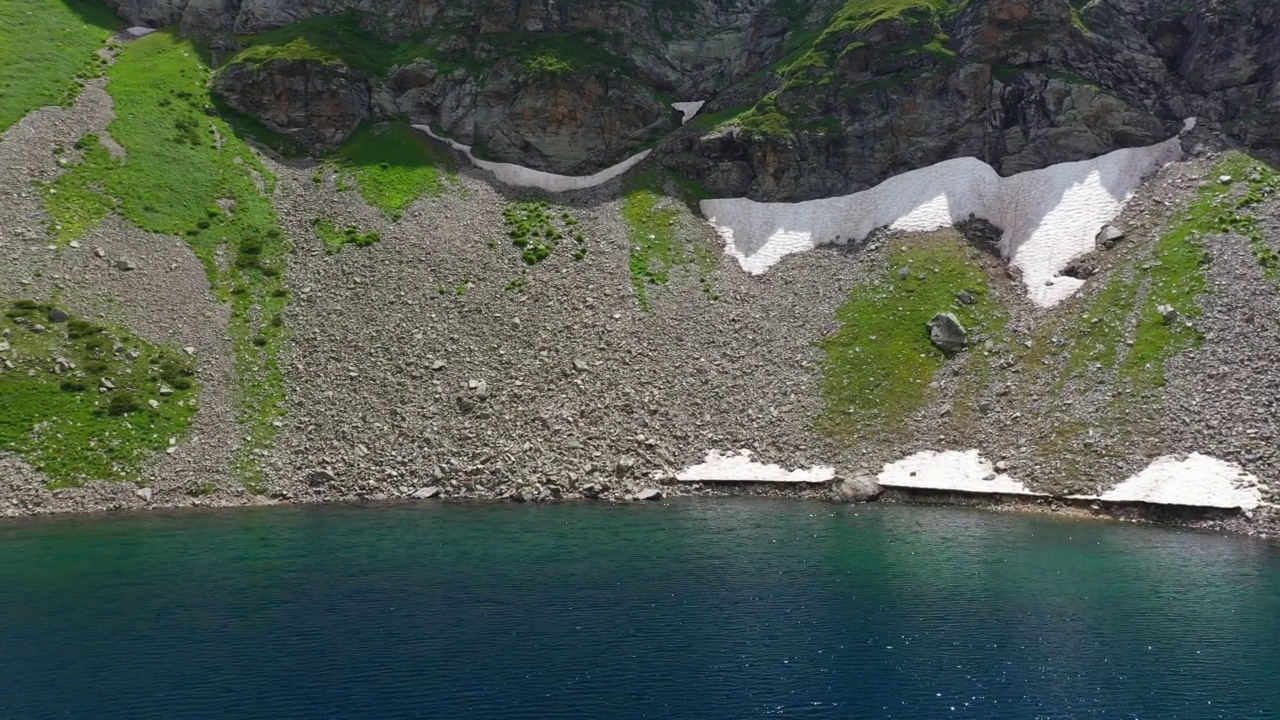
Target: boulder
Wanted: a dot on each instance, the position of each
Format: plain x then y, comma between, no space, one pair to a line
145,494
58,315
859,488
946,332
426,493
1109,235
649,494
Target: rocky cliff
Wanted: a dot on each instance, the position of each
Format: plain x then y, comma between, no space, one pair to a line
806,99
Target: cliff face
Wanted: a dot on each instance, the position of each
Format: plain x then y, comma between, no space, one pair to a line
805,99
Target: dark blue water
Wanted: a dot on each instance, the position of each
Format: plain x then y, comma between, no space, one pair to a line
700,610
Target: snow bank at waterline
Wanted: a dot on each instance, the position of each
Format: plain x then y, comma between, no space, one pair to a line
1198,480
720,467
951,470
1049,216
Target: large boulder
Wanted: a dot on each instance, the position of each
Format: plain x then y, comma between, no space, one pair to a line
946,332
859,488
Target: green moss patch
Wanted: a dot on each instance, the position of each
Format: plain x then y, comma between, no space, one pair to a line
658,247
880,362
83,401
536,229
47,50
184,164
393,165
334,240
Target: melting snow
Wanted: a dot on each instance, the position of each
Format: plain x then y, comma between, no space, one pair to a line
1199,480
964,471
1049,216
719,467
519,176
689,109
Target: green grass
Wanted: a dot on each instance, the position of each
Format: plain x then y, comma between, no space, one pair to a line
342,39
182,160
880,361
61,422
45,45
536,229
334,240
1177,276
657,246
76,202
393,165
1173,275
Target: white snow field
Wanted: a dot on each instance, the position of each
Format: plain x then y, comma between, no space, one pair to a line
519,176
721,467
1199,481
1049,216
965,471
689,109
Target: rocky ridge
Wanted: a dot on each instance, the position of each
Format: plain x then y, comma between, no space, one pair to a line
801,96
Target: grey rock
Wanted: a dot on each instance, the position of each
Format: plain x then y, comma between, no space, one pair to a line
859,488
426,493
580,365
106,384
946,332
37,328
624,466
153,403
165,391
965,297
438,365
125,264
320,476
1167,313
58,315
146,494
4,346
482,390
649,494
1109,235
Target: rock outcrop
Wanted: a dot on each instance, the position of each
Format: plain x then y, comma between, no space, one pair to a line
805,100
314,102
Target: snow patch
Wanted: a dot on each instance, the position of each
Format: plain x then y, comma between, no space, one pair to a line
964,471
689,109
1198,481
519,176
720,467
138,31
1049,216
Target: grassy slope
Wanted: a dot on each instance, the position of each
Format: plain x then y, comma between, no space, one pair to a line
880,362
394,165
44,45
61,423
657,245
181,161
1173,276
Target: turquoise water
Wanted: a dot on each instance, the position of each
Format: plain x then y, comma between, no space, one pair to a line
700,609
